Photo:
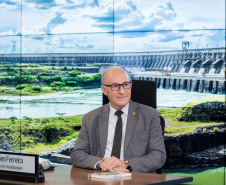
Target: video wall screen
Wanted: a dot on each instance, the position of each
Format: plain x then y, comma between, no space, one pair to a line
52,55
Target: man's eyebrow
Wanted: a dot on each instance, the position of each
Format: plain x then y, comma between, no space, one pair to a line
121,83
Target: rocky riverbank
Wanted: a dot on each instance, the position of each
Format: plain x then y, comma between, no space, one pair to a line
61,154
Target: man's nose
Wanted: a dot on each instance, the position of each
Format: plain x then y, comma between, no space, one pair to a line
121,89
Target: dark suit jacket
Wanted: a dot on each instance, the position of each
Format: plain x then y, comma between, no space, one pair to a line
144,144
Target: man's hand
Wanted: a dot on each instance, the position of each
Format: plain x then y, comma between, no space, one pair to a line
119,169
109,163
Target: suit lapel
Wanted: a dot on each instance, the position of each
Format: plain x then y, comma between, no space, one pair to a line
103,128
131,123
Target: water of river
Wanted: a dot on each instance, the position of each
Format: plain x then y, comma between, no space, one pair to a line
81,101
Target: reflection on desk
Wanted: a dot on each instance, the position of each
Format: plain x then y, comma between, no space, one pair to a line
68,175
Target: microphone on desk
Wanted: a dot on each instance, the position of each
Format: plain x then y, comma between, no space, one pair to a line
45,165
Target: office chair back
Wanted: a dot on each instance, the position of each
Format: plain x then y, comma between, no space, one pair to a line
143,92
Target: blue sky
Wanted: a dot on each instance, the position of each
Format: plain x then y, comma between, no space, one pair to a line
86,26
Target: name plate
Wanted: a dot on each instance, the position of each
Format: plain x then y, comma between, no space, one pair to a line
20,163
20,167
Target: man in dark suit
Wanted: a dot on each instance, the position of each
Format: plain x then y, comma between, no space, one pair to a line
141,145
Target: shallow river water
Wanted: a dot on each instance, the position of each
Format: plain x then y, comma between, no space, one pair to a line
81,101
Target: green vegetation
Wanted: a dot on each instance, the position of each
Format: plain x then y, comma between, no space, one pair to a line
11,91
35,79
39,123
39,134
208,177
215,129
175,127
193,110
45,147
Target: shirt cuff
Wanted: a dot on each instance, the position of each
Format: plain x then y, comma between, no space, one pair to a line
95,166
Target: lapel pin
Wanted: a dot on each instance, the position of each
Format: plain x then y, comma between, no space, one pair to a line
134,113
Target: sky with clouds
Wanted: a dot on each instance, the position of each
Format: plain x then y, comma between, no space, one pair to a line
99,26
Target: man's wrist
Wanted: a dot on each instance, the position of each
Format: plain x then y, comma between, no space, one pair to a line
123,164
128,166
99,165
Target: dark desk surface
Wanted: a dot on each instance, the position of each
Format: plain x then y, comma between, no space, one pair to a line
68,175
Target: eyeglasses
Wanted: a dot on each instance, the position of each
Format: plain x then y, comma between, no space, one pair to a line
116,87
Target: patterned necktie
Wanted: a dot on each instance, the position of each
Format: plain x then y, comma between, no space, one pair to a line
118,136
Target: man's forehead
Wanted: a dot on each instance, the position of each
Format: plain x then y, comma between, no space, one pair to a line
121,82
116,72
117,79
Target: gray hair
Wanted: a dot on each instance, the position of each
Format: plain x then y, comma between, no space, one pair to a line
108,69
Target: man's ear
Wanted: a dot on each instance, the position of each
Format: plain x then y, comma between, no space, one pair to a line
103,89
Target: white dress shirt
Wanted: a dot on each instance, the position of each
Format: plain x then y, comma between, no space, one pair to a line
111,130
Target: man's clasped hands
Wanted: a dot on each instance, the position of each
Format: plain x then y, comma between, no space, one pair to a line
112,164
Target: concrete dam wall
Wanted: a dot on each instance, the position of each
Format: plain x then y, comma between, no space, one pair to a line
200,70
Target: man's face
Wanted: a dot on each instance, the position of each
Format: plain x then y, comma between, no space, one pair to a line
118,99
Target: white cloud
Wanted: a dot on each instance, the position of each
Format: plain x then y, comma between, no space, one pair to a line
129,16
60,42
46,27
40,4
9,32
139,25
8,6
49,4
81,43
53,22
168,40
132,17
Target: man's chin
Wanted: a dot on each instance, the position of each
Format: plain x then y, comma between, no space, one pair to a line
123,104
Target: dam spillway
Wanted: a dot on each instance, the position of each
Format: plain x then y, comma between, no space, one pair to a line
196,71
194,83
200,70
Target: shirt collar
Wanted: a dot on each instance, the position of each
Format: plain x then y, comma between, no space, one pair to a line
124,109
